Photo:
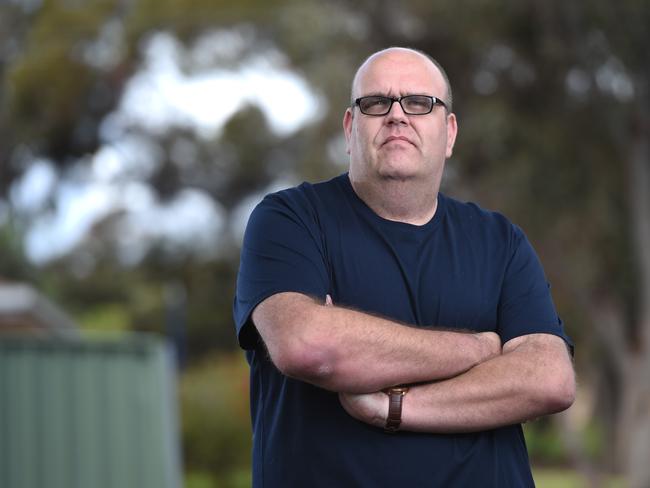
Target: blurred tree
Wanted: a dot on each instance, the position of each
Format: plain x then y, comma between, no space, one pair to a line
553,104
216,422
575,91
13,265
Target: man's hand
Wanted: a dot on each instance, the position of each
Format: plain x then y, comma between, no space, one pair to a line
371,408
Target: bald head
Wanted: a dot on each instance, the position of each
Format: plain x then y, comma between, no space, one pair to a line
401,51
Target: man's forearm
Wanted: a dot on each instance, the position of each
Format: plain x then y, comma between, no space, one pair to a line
533,377
346,350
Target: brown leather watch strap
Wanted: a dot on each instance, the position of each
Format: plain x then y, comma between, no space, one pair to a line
395,399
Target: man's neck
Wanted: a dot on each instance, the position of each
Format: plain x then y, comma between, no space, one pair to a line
401,200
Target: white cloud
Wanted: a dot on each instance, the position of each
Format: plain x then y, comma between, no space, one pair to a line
160,96
127,158
191,221
31,192
78,207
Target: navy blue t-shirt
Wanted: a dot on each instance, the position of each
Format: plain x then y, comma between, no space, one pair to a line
466,268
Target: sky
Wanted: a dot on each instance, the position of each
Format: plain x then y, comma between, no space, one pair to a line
160,96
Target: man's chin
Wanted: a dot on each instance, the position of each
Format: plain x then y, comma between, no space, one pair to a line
401,173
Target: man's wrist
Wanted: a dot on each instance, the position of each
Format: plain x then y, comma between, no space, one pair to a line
490,345
395,405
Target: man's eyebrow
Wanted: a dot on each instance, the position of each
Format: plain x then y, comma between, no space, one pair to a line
384,94
375,94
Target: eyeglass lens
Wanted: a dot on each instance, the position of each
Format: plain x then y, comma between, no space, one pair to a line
411,104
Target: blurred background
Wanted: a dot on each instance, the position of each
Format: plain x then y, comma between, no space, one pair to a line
136,137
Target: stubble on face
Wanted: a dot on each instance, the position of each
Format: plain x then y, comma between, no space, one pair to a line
397,146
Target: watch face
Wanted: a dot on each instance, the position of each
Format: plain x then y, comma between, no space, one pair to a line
399,390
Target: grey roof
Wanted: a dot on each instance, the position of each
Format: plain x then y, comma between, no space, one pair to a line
22,306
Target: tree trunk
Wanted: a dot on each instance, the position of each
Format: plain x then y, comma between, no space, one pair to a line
636,420
636,398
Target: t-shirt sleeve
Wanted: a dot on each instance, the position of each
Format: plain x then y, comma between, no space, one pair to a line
282,251
526,305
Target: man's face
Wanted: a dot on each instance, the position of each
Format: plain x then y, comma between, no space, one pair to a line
396,145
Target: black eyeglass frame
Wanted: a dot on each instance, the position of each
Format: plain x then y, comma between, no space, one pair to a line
434,101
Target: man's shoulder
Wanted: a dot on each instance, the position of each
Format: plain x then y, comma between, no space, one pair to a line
472,209
305,197
471,215
308,205
307,190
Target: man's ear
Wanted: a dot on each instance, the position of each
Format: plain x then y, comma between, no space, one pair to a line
452,132
347,127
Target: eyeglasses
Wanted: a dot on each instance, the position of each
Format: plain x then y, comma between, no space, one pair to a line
411,104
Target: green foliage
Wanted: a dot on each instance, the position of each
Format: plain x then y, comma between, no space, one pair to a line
234,479
117,298
104,317
544,444
594,440
52,84
565,478
216,422
13,265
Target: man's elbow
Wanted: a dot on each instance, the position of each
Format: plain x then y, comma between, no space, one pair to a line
298,346
306,361
559,392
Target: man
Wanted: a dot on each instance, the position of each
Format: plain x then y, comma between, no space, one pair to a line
374,309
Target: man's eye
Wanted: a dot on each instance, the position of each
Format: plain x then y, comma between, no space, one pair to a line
377,102
417,103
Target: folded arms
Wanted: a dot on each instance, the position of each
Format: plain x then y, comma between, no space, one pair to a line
462,381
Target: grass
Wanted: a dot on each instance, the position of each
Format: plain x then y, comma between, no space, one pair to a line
566,478
544,478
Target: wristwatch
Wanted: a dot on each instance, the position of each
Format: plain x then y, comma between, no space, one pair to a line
395,396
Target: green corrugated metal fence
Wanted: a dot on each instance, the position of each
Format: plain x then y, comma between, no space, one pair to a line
88,414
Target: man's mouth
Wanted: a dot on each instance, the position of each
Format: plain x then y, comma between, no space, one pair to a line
397,139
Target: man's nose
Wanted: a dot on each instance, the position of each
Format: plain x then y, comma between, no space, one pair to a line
396,114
